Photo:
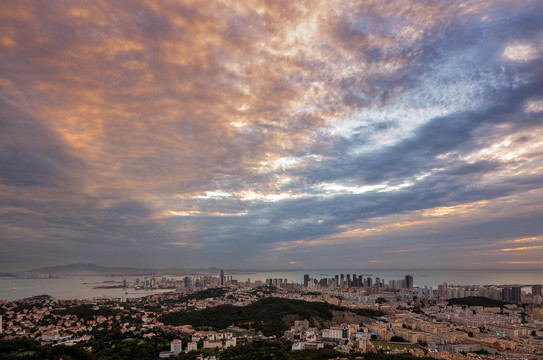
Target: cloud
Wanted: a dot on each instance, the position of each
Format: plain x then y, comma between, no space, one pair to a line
176,133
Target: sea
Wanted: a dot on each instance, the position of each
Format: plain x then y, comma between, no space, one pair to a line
85,287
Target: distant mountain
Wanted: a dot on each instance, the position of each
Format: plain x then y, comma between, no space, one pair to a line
6,275
90,268
212,269
72,268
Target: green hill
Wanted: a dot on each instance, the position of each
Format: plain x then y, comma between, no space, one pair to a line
477,301
268,314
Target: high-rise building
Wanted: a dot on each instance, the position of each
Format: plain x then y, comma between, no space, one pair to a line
442,289
306,280
348,280
176,346
222,277
511,293
536,290
409,281
345,331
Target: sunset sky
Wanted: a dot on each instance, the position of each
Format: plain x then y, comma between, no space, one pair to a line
272,134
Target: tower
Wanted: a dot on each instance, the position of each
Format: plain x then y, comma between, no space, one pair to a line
222,277
511,293
176,346
306,280
409,281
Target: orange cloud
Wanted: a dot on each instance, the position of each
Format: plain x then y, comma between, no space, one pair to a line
524,248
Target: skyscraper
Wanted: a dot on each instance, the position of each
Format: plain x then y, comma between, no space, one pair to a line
511,293
536,290
409,281
222,277
306,280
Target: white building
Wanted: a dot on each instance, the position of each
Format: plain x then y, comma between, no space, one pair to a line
192,346
176,347
50,336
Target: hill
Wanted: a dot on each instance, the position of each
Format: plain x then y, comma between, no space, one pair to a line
477,301
72,268
270,315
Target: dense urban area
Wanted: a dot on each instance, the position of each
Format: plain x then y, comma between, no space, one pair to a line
212,317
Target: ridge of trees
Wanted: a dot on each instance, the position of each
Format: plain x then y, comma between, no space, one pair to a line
266,314
477,301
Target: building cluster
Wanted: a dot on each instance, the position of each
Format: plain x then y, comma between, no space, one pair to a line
417,320
189,282
439,331
344,337
42,320
510,293
209,340
345,281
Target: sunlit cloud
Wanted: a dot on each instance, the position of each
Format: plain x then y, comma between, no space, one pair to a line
309,130
534,106
186,244
521,52
202,213
524,248
528,239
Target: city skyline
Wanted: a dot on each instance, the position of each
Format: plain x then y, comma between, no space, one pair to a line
272,135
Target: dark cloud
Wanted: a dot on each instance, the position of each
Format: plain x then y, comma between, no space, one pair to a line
30,153
168,133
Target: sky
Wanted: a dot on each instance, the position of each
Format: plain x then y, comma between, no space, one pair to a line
272,134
